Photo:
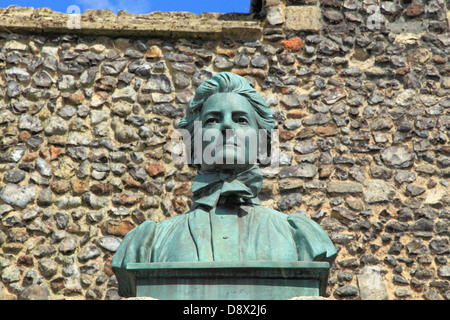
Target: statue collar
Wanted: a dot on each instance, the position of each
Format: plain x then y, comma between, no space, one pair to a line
208,188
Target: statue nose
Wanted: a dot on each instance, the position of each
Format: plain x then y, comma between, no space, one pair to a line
227,123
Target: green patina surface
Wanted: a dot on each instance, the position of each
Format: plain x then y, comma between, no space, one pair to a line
255,280
227,222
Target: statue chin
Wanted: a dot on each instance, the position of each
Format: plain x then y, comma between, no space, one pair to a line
231,164
232,158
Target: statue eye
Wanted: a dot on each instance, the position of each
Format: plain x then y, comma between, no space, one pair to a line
242,120
211,120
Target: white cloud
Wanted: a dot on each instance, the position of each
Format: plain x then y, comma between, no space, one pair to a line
132,6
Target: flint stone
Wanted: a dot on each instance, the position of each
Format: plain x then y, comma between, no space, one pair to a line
88,76
181,80
47,267
134,54
98,116
396,226
345,213
12,89
34,141
20,106
407,97
435,196
440,246
15,155
62,220
259,61
66,112
381,124
317,119
399,157
185,67
328,47
45,197
66,82
201,76
19,74
178,57
126,94
344,187
157,83
378,191
56,126
50,63
169,110
68,245
140,68
42,79
414,190
43,167
42,251
4,208
126,134
10,275
444,271
95,202
68,202
416,246
292,124
34,292
293,100
290,201
116,66
109,243
275,16
14,176
18,195
347,291
89,252
242,60
402,176
303,170
222,62
305,147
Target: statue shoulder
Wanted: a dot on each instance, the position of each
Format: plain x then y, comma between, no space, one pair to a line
273,213
297,218
132,242
311,239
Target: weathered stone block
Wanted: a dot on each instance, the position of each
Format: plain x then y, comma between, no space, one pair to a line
344,187
378,191
371,284
303,18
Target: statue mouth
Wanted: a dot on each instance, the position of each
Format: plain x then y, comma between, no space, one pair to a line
228,144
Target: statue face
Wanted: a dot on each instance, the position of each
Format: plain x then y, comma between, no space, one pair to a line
230,133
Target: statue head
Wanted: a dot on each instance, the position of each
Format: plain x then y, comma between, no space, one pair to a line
229,124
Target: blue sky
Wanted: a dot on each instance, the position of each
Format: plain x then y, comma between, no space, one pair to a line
138,6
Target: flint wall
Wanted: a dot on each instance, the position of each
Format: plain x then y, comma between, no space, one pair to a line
359,90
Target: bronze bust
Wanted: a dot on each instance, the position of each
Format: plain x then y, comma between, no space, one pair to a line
227,221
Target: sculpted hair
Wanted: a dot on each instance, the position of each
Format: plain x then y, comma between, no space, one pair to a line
226,82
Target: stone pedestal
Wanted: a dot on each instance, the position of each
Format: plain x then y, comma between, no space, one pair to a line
256,280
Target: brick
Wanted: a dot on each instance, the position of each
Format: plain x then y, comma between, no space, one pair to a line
294,44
